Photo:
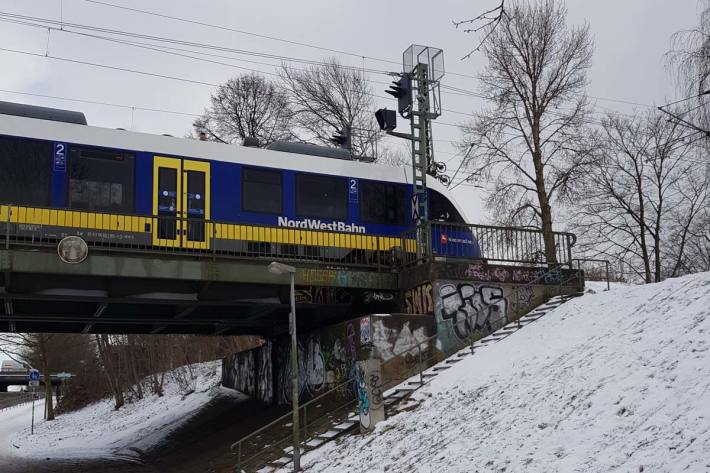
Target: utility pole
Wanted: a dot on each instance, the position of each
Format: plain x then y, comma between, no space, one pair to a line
423,68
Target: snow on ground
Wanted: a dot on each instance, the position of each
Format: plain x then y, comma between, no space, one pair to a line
100,431
608,382
600,286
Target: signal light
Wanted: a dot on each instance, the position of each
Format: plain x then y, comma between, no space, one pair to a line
342,138
402,90
387,119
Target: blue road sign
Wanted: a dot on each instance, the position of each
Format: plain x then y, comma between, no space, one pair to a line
34,375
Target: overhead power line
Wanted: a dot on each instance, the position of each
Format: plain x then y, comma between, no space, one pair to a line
450,89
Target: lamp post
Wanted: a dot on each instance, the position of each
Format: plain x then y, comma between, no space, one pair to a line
283,269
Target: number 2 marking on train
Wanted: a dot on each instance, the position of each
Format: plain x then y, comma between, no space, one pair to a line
60,157
353,193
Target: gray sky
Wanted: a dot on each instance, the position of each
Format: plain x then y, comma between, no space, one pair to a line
631,37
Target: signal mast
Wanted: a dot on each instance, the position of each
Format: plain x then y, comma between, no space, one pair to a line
422,69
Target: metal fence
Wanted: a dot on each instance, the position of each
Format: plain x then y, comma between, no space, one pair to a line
503,245
594,269
45,227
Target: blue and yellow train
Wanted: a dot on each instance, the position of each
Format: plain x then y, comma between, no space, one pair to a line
60,177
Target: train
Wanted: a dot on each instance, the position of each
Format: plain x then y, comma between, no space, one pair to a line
59,176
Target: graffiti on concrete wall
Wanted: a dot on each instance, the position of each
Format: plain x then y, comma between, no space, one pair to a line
326,359
322,295
463,308
419,300
250,373
369,393
522,299
363,398
390,341
483,272
365,338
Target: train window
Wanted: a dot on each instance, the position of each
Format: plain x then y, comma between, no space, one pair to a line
321,196
101,180
441,209
25,171
384,203
261,191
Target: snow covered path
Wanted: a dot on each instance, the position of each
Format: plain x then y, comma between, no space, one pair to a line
608,382
16,419
99,431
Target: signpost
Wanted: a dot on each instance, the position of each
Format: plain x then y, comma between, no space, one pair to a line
33,384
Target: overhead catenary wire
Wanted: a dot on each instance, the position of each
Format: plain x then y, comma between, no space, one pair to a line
450,89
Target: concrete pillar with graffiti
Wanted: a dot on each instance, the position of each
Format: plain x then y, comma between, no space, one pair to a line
369,392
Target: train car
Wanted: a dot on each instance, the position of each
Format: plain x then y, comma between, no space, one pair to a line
59,177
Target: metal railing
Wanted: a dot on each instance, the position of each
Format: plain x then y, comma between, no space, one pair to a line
45,227
505,245
594,269
176,235
331,406
252,454
10,400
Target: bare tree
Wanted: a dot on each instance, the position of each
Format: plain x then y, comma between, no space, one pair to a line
327,98
248,105
536,77
689,63
486,22
32,349
641,195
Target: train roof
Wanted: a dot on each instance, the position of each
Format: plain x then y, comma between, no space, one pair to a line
190,148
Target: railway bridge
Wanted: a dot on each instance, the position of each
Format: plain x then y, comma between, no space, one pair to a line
123,287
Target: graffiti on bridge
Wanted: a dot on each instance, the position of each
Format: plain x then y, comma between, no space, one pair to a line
322,295
250,372
370,395
419,300
483,272
469,308
325,360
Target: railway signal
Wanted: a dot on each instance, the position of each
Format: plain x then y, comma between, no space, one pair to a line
387,119
422,66
342,138
402,90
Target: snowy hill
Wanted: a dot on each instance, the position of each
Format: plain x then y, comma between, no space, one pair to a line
609,382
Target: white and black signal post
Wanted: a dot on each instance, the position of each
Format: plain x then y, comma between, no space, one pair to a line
423,68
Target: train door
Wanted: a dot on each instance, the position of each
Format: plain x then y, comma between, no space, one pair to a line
181,203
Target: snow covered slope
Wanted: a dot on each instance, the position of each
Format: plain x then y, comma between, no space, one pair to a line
608,382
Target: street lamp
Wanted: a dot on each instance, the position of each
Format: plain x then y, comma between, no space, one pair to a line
281,270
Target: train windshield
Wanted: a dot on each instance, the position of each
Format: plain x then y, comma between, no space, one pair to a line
441,209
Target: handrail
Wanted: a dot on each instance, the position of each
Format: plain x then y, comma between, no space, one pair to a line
290,413
468,342
593,260
496,244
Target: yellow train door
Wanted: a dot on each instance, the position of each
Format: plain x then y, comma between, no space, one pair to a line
196,204
181,203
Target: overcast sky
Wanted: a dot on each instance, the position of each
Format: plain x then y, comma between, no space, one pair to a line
631,37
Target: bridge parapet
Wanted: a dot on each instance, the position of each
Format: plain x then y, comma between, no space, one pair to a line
476,297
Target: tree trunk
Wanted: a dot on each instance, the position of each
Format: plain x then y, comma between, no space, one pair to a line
642,225
48,400
102,345
548,235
